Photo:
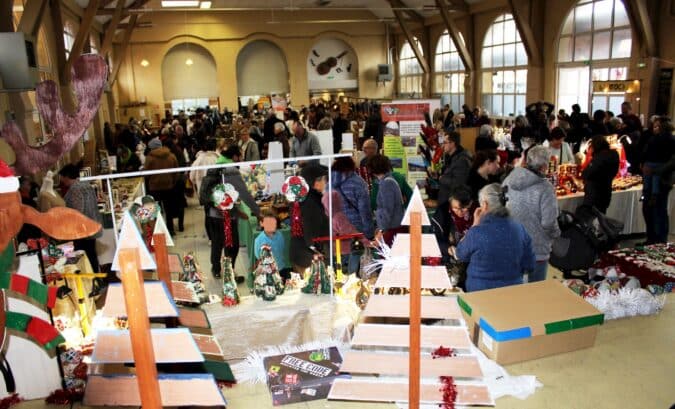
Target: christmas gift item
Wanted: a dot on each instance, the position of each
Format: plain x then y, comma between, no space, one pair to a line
319,281
224,196
145,214
267,283
230,291
295,188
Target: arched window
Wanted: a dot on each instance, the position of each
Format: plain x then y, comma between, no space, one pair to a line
189,77
68,37
449,71
504,63
595,45
409,70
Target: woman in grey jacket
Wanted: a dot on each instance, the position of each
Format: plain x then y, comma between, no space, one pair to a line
532,202
389,211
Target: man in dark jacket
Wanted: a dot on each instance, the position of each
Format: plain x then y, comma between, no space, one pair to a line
456,168
314,220
599,174
214,218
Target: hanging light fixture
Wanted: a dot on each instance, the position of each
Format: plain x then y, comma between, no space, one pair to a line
145,63
189,62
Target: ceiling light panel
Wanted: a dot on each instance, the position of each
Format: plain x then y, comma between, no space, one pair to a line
180,3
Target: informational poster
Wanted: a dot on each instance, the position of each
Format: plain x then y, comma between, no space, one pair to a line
302,376
394,150
279,103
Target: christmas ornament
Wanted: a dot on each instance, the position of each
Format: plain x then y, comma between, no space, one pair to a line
267,282
145,214
295,189
230,291
319,281
89,76
224,196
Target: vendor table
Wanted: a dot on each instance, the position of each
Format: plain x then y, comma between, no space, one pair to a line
294,318
625,206
653,264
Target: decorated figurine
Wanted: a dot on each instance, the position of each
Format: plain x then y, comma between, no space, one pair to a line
224,196
295,188
267,283
145,215
230,291
319,281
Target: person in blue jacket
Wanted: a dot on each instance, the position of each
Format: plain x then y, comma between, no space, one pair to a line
497,248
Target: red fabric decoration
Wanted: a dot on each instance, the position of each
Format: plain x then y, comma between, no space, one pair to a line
80,371
41,330
431,261
442,352
33,243
227,228
89,76
449,390
51,297
296,221
19,284
10,401
65,396
5,170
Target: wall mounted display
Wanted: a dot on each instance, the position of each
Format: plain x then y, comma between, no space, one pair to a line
332,65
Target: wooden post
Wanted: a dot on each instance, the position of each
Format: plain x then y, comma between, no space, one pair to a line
139,329
415,309
162,260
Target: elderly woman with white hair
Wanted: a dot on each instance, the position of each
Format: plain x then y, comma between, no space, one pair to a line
532,202
485,140
497,248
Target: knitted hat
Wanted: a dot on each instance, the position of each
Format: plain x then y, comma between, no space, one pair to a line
8,182
154,143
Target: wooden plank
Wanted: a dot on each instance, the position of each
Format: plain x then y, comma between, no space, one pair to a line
401,245
175,263
396,275
379,391
208,345
176,390
160,303
184,291
395,364
170,346
397,306
139,329
193,318
162,261
414,365
396,336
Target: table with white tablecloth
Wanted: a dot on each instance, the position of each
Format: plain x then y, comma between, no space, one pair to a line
625,206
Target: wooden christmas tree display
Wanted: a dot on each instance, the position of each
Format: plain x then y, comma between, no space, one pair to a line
434,356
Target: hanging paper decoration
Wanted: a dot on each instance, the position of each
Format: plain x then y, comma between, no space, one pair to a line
39,331
319,282
230,291
89,76
267,282
295,188
224,196
145,215
39,292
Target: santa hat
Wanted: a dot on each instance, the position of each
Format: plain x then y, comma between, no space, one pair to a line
8,182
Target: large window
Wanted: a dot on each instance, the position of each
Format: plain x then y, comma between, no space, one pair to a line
595,45
68,37
449,71
409,70
504,75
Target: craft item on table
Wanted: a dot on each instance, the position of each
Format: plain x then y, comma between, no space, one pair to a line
257,181
267,282
189,292
224,196
294,282
295,189
230,291
89,75
34,244
626,302
653,264
60,223
319,281
145,214
130,238
190,269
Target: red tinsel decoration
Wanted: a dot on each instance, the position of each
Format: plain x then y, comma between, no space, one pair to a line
229,302
80,371
431,261
449,390
65,396
225,384
296,221
442,352
227,228
148,236
10,401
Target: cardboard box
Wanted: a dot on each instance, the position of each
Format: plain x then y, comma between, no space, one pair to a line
302,376
529,321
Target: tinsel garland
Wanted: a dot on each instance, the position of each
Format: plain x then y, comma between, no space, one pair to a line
65,396
148,227
227,228
449,390
296,221
442,352
10,401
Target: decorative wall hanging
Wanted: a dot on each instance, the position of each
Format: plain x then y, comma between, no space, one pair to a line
89,75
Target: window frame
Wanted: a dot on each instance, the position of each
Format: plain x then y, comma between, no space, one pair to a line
457,98
411,80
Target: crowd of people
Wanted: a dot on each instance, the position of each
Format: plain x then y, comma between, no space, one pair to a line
496,216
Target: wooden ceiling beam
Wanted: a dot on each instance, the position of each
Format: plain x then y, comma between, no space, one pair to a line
57,26
31,18
83,33
642,26
119,57
458,5
526,35
464,53
408,35
112,27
